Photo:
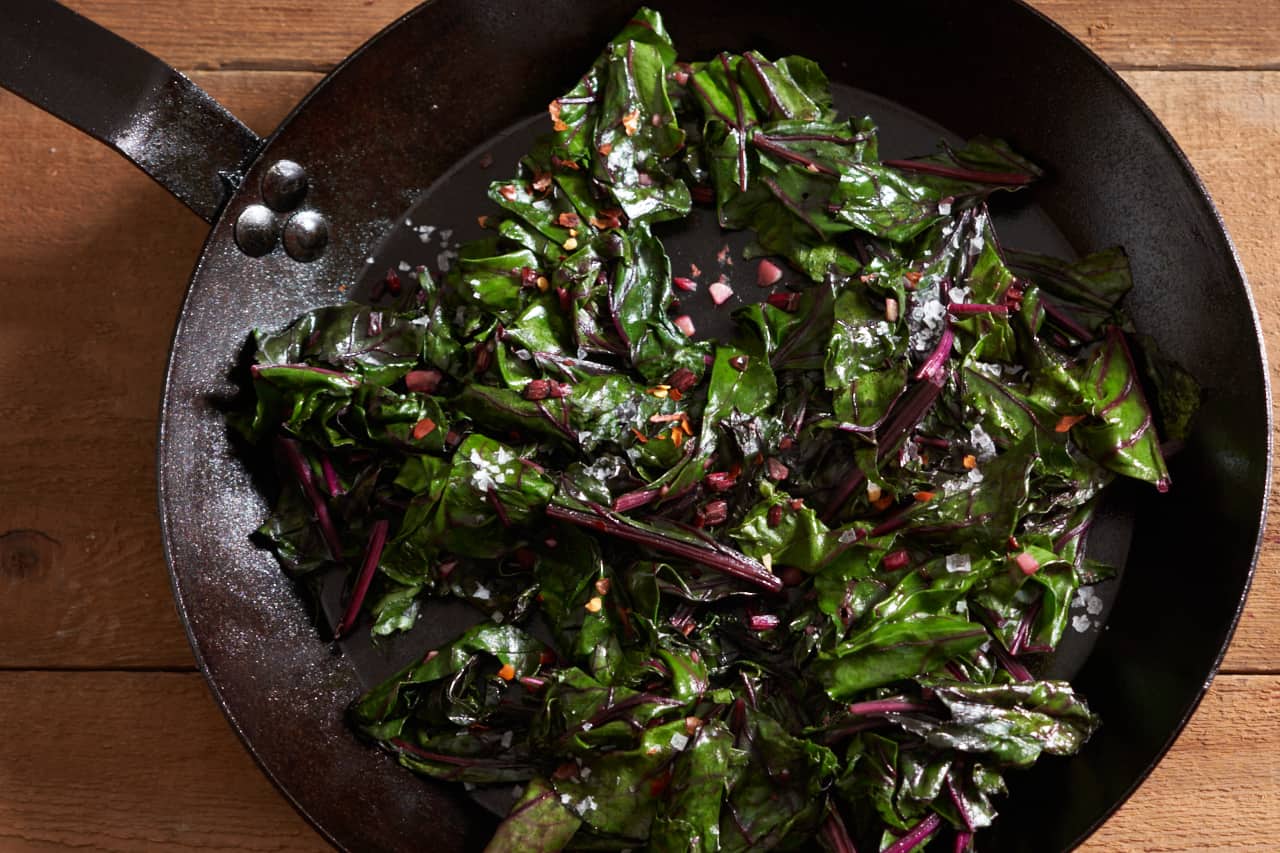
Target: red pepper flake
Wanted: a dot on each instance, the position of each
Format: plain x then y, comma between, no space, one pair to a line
482,220
695,271
423,428
507,672
605,148
685,324
677,436
675,394
533,685
565,771
546,657
631,122
738,362
1013,544
924,497
640,437
913,279
569,220
665,419
723,257
509,192
431,655
423,381
970,461
1067,422
796,504
607,219
557,124
775,515
602,586
883,503
688,285
692,724
786,443
564,164
542,181
1027,563
776,470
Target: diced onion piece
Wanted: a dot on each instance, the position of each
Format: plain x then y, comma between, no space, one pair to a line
720,293
767,273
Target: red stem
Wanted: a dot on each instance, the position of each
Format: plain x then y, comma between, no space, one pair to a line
372,554
1002,178
720,558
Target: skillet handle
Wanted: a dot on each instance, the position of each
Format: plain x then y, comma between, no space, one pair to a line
123,96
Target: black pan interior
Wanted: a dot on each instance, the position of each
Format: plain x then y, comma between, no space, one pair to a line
379,134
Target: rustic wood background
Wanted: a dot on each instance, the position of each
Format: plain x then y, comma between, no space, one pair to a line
111,740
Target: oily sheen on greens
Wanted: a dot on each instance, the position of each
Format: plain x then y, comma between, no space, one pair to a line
766,592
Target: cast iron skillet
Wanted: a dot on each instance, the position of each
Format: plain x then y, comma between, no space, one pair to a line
373,144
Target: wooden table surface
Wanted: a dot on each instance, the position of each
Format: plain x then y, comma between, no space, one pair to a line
110,739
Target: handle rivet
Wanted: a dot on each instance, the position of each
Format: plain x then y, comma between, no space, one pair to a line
305,235
256,230
284,185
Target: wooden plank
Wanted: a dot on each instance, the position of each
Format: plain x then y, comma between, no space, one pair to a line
94,259
126,762
1219,787
1175,34
145,761
300,35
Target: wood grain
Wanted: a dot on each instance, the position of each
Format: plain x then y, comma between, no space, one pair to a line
302,35
126,762
144,761
90,245
1218,788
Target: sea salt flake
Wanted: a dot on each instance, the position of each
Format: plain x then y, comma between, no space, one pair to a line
679,741
984,447
482,593
507,738
403,266
958,563
1080,623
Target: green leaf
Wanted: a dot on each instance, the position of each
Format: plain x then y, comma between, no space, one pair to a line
1121,435
537,823
890,651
